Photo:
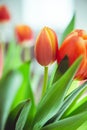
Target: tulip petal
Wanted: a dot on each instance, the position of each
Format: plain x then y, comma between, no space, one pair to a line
46,47
74,45
24,34
4,13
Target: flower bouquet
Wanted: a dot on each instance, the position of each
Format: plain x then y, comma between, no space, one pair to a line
63,101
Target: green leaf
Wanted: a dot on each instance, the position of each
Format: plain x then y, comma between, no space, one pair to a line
69,28
62,68
71,123
14,114
23,116
25,91
83,126
79,109
58,71
53,99
12,57
68,101
77,102
9,86
52,76
75,84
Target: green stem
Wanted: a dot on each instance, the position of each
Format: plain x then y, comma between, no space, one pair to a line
26,54
45,80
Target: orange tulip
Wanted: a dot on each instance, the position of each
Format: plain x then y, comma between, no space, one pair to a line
4,14
46,47
74,45
1,61
24,34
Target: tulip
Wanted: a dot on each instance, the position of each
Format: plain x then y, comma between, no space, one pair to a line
1,61
46,47
74,45
24,35
4,14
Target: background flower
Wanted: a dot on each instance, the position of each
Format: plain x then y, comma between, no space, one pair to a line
4,13
24,35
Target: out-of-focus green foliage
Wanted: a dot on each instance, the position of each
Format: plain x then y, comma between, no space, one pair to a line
64,105
69,28
9,86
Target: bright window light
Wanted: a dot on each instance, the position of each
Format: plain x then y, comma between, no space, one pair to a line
54,13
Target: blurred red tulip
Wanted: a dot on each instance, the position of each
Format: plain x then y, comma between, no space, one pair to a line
24,34
1,61
46,47
4,14
74,45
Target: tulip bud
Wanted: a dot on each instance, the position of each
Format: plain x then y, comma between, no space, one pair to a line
73,46
46,47
4,14
24,35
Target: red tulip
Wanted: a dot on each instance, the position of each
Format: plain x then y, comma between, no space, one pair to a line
24,34
46,47
4,14
74,45
1,61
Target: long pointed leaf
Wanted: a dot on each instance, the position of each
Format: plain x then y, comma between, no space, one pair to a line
23,116
25,91
83,126
13,52
71,123
54,97
69,28
61,69
67,102
13,116
8,89
70,99
81,108
77,102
